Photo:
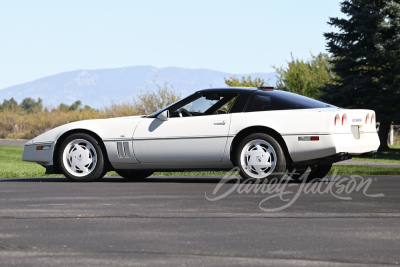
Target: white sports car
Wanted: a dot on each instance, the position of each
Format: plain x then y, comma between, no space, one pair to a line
261,130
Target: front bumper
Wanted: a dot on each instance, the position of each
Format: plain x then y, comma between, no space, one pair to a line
42,157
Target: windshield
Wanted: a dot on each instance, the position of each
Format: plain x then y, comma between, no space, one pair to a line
161,110
200,104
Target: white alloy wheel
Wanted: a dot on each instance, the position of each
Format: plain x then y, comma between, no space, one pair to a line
79,157
258,159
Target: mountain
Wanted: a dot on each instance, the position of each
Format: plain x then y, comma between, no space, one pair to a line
100,88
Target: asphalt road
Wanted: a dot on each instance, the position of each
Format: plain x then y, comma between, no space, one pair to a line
12,142
169,221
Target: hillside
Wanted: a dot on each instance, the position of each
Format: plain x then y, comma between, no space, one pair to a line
99,88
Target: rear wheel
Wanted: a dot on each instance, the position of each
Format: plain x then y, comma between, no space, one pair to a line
260,156
80,158
133,175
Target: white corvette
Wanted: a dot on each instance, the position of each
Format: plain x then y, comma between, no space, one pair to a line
262,131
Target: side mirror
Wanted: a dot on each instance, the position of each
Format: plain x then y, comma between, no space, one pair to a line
163,116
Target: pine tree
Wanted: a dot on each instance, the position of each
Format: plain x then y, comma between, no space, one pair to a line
366,57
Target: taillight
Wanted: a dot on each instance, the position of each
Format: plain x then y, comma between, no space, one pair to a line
367,119
373,118
344,119
337,119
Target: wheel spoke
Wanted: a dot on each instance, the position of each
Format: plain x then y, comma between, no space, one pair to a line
259,148
73,152
270,150
268,164
258,169
85,170
250,153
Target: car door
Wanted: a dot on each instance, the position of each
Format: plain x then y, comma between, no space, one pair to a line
181,139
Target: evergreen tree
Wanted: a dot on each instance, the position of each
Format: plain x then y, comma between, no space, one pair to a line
366,53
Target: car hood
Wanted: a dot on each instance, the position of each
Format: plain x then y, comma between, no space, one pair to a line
113,128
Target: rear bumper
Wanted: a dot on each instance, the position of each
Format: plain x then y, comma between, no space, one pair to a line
367,143
331,145
332,159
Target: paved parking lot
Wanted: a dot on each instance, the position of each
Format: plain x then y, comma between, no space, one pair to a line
168,220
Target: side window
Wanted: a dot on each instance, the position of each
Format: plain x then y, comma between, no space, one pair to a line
260,103
280,100
205,104
263,101
227,107
200,105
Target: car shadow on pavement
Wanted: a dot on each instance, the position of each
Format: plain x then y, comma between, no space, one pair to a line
154,179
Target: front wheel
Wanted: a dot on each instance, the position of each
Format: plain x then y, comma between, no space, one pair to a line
260,156
81,159
133,175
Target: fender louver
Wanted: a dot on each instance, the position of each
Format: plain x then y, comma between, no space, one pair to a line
123,150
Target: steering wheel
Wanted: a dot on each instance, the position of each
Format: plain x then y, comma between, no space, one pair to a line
185,111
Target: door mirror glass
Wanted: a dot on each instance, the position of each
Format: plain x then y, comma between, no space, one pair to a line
163,116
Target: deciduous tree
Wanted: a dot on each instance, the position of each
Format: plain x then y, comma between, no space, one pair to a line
305,77
151,101
244,82
31,105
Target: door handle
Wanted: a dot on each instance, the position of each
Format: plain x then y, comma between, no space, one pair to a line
219,122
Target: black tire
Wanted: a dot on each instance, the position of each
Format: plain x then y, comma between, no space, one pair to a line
316,172
133,175
276,157
90,151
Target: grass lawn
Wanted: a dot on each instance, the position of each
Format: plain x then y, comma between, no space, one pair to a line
11,166
396,146
384,157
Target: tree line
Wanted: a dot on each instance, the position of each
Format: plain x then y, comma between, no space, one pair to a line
30,118
30,105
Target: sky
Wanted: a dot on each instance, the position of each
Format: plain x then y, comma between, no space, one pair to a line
41,38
